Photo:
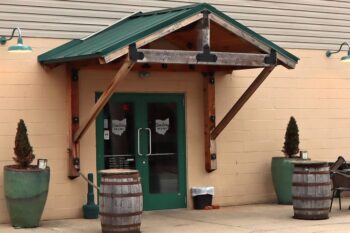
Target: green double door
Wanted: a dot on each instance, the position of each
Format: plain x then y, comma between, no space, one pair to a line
146,132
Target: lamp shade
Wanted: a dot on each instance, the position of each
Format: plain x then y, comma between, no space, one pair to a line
20,47
346,58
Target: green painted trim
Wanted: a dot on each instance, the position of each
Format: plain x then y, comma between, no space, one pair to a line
68,59
140,100
171,200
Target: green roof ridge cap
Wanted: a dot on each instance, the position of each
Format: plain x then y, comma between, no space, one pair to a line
167,10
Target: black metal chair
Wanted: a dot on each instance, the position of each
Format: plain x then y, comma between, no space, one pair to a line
340,179
338,164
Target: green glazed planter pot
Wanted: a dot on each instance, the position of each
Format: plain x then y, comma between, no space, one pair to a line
282,173
26,193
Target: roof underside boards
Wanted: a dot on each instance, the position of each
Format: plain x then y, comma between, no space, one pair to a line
138,26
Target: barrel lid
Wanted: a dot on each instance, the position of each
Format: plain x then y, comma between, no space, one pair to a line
118,171
310,163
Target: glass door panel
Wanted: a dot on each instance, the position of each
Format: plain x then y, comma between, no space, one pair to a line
163,156
119,134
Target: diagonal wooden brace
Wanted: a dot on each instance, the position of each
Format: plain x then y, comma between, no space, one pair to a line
77,132
96,109
241,101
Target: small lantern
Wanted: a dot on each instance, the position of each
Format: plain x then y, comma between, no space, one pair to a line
304,154
42,163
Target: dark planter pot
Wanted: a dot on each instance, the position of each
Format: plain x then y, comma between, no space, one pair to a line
282,173
26,194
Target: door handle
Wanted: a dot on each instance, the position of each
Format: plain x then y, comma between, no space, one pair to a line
149,141
138,141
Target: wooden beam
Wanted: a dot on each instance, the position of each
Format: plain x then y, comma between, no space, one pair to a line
241,101
96,109
73,118
156,67
251,39
190,57
209,121
155,36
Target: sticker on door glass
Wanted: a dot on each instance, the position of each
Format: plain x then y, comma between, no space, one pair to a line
106,135
162,126
118,127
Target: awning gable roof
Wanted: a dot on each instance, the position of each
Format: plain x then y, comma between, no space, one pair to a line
137,26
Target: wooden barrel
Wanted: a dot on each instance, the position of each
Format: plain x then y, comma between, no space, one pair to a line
120,201
311,190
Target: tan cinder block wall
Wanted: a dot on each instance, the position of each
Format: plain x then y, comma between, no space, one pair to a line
317,93
29,92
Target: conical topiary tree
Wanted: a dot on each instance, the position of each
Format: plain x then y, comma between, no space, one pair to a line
23,149
291,143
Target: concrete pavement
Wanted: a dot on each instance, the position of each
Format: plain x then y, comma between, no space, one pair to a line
241,219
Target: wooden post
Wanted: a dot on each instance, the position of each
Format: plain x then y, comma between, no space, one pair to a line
73,118
203,41
203,32
96,109
209,121
241,101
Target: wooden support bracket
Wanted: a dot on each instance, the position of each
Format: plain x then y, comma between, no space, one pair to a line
241,101
76,132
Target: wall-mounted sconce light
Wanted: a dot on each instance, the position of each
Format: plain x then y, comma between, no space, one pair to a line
344,58
19,47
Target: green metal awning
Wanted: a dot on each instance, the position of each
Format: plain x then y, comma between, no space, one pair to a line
140,25
242,49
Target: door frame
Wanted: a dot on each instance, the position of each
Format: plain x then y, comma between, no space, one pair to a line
181,115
